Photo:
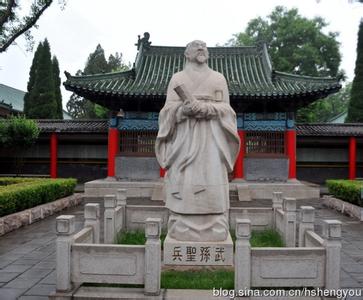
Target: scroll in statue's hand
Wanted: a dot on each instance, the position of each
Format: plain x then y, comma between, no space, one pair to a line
191,105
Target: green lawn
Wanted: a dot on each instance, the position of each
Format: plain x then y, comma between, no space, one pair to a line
198,279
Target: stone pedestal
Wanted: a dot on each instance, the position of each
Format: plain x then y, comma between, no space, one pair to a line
184,253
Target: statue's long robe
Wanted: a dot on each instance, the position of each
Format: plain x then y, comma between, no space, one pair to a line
198,152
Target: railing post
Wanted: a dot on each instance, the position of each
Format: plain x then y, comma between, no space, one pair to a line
290,221
152,256
276,204
65,227
109,219
121,197
242,259
332,234
92,219
306,224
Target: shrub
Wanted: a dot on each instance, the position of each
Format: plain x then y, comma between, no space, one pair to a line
347,190
19,132
23,193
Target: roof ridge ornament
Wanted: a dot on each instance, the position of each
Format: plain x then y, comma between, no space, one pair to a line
144,42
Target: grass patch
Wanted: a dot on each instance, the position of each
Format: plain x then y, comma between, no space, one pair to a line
136,237
201,279
266,238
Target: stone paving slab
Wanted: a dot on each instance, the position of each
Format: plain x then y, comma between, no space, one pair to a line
33,298
7,276
10,293
16,268
41,290
22,283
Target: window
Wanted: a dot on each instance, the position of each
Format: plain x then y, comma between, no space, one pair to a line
137,143
265,143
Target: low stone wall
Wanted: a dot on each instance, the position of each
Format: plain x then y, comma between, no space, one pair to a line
80,259
317,264
31,215
344,207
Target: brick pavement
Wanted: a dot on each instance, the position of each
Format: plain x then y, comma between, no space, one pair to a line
27,255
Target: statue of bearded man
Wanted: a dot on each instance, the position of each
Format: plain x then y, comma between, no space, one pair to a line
197,144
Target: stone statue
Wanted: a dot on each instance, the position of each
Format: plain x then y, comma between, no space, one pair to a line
197,144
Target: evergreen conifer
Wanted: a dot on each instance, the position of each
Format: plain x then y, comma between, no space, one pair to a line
41,99
32,75
355,109
57,90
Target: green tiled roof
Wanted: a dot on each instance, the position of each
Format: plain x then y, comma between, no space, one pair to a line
12,96
251,80
15,98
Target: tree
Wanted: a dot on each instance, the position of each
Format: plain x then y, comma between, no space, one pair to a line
18,134
81,108
296,45
57,91
32,76
355,109
328,108
40,99
16,21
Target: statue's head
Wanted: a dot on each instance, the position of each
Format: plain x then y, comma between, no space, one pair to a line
196,51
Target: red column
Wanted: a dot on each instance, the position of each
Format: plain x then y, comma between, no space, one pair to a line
352,157
53,154
291,151
113,148
238,167
162,172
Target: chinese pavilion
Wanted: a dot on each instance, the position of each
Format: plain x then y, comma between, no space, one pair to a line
264,99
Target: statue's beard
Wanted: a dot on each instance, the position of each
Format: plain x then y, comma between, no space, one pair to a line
201,58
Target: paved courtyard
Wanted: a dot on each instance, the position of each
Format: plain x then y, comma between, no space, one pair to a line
27,255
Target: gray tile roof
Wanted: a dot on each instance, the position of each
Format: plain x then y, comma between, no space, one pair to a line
74,126
101,126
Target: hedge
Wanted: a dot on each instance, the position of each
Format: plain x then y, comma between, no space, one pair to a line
15,180
347,190
23,193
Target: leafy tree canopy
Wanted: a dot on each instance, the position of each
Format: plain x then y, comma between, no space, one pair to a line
18,132
296,44
326,109
17,18
81,108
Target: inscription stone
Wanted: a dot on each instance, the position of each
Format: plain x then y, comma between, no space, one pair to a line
198,253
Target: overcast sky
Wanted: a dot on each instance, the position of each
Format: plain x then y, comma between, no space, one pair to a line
74,32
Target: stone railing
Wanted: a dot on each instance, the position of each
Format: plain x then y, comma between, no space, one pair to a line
80,259
315,264
114,216
284,216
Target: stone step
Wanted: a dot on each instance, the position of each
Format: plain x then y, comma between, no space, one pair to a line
96,293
